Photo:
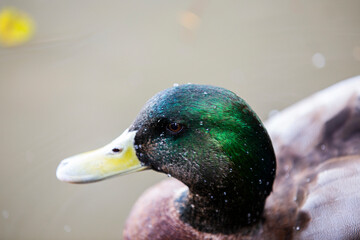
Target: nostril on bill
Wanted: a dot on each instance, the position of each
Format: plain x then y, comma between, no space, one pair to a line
117,150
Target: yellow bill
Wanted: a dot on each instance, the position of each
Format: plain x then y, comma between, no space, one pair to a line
118,157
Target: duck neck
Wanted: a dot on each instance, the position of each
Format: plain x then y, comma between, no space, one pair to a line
222,210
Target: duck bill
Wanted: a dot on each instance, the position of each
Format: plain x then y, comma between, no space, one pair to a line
118,157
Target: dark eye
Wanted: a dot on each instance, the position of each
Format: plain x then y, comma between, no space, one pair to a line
175,127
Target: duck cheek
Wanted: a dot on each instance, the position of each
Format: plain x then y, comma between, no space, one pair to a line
182,172
145,150
150,157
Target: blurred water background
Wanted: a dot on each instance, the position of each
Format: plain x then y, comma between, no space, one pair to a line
91,65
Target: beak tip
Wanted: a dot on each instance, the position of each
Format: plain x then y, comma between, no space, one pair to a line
66,172
60,171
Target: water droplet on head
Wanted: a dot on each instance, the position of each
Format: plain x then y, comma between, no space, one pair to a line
211,196
225,200
141,154
175,85
205,181
169,175
192,206
205,93
230,169
225,193
297,228
260,181
201,123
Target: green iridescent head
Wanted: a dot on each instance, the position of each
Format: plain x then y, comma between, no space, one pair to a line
218,139
205,136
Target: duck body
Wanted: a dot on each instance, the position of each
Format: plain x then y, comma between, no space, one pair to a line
222,161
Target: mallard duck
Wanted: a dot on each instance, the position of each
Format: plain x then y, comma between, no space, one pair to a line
226,181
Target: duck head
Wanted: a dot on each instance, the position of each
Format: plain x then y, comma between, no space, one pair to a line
205,136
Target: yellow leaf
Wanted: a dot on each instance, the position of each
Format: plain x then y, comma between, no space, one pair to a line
16,27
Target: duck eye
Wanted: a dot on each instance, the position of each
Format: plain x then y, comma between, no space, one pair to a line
175,127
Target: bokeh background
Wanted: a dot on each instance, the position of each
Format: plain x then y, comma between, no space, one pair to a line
91,65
